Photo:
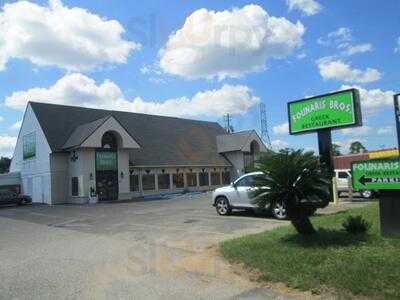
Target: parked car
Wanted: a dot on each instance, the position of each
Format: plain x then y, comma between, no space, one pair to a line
8,197
241,195
343,178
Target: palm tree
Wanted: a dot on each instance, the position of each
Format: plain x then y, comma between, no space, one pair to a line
297,180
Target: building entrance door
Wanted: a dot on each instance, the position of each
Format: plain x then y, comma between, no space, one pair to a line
106,175
107,185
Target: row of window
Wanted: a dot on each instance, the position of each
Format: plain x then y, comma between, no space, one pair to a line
163,180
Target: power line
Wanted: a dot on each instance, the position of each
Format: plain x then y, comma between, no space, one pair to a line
264,125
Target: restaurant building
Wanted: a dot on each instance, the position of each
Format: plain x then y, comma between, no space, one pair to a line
67,154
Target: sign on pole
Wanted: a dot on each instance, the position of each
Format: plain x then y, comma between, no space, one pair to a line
380,174
333,110
29,146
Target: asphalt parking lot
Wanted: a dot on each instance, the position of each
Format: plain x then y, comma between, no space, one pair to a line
136,250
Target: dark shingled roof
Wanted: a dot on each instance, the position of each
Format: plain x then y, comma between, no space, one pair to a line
163,140
233,141
82,132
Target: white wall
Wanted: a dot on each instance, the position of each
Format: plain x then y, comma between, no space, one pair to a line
254,137
237,160
35,172
124,139
82,167
123,166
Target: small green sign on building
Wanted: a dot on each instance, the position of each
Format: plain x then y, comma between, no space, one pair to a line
106,161
29,146
380,174
334,110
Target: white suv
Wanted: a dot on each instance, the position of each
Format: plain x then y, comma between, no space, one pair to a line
242,193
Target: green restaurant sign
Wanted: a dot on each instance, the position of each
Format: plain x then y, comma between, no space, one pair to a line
334,110
106,161
29,146
380,174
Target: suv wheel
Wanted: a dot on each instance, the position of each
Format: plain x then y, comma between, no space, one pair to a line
279,210
366,194
222,206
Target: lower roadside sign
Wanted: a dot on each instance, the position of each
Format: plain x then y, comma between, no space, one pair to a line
379,174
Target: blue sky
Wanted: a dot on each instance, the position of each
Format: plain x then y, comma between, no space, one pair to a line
201,59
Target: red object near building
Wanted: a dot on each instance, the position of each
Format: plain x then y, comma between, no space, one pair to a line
344,161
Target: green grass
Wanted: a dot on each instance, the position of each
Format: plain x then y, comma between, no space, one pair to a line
366,265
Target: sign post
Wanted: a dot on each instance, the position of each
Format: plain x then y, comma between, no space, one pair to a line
397,118
382,175
323,113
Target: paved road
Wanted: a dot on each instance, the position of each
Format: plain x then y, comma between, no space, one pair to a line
142,250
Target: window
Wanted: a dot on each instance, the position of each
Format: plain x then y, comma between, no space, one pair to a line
243,182
109,141
148,182
177,181
253,180
191,179
215,178
134,183
226,177
259,180
203,178
343,175
163,181
75,186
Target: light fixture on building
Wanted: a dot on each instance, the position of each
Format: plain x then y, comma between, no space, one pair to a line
122,175
74,156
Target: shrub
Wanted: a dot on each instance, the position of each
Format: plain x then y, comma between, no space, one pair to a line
356,225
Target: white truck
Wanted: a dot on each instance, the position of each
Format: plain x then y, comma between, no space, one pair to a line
343,179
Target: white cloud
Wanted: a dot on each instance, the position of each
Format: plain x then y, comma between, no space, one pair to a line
80,90
1,119
359,131
386,130
7,144
339,36
349,49
279,144
373,100
281,129
16,125
336,69
308,7
343,40
55,35
397,48
302,55
228,43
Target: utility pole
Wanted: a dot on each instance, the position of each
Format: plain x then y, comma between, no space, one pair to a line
264,125
228,123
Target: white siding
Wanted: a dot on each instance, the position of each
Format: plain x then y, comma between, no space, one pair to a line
35,172
81,168
237,160
123,166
